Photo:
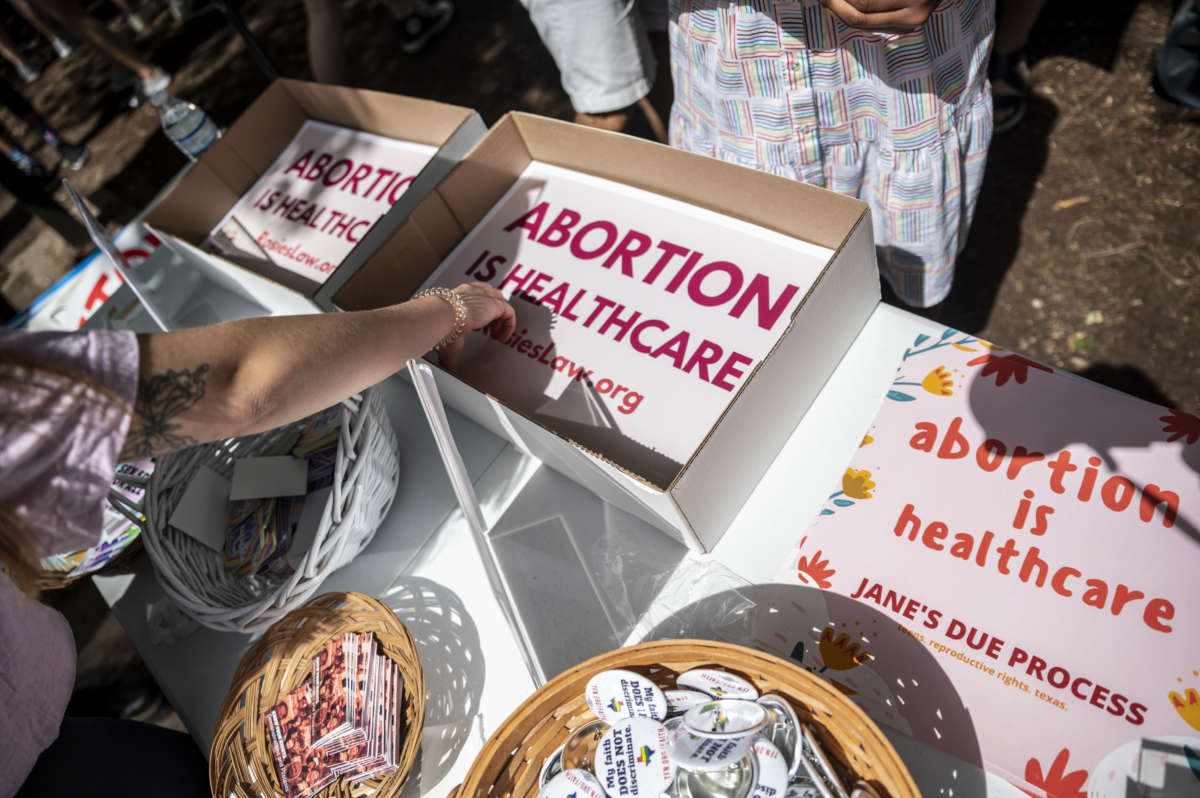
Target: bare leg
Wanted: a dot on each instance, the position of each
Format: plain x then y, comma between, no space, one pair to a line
613,120
68,14
399,8
8,144
35,18
325,40
8,48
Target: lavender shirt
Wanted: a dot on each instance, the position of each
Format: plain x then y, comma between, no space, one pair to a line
56,465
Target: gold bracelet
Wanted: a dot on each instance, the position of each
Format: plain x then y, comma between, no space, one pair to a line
460,312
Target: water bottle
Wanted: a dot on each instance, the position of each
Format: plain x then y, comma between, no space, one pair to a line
186,124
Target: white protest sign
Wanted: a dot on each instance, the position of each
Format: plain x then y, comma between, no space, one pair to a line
638,317
322,194
72,301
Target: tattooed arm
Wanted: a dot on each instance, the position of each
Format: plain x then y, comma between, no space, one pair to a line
251,375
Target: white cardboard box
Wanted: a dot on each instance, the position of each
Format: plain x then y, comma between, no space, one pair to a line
233,165
702,499
638,316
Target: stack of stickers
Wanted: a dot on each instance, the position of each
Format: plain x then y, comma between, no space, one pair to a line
263,530
119,530
710,735
341,721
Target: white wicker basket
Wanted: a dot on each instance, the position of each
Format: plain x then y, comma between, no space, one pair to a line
364,484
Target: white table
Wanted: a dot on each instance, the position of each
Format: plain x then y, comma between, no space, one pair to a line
422,563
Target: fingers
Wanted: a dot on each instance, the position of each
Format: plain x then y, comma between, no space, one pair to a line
506,323
448,354
891,16
487,306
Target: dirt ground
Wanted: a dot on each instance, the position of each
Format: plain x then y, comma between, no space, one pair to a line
1085,251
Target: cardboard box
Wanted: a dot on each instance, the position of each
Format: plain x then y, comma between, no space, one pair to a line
217,181
701,501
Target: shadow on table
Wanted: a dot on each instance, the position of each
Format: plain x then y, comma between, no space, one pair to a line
448,644
586,579
1020,402
581,572
901,686
1015,162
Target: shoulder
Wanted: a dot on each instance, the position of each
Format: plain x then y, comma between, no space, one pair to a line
109,359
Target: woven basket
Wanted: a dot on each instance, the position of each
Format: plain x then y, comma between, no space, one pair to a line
364,484
240,761
510,761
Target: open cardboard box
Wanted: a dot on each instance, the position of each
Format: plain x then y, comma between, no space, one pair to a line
230,167
703,499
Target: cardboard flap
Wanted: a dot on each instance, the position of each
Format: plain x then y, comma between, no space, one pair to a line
381,113
393,274
262,132
794,209
491,167
195,205
654,507
742,445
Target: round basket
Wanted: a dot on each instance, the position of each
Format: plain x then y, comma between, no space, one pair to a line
510,761
364,483
240,762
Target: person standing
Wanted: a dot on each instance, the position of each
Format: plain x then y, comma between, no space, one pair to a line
890,106
604,58
73,156
73,405
70,17
416,22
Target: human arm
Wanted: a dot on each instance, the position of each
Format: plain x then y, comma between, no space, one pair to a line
251,375
890,16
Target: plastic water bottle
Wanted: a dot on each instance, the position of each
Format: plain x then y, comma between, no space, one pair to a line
186,124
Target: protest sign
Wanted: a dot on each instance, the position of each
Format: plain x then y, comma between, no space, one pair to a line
639,317
1036,534
317,200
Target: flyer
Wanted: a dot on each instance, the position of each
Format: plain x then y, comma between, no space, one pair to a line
322,194
1034,537
639,317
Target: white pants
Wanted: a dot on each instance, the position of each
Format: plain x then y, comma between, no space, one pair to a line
601,49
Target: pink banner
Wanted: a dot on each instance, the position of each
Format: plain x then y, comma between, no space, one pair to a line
1036,535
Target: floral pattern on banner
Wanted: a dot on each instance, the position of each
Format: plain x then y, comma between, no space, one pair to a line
840,653
813,570
855,485
940,381
1187,703
1056,782
1006,366
966,396
1181,425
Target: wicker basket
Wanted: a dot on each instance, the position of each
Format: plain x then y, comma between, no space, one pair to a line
364,484
509,763
240,762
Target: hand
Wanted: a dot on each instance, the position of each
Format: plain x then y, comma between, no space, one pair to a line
890,16
486,309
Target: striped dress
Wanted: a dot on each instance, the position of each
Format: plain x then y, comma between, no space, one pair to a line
901,121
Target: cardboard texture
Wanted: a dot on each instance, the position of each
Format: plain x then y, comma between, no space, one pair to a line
215,183
698,504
